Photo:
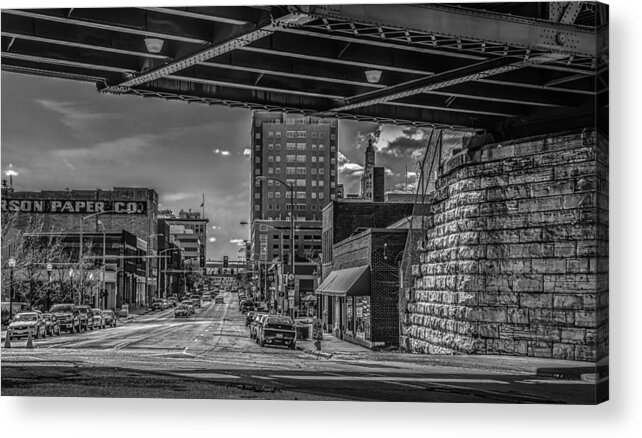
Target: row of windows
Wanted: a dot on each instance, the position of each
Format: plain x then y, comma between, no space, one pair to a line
299,207
296,121
277,171
298,195
294,159
296,236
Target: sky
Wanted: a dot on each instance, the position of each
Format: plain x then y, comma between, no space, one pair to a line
58,134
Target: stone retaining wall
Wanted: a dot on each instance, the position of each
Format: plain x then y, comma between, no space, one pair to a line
515,255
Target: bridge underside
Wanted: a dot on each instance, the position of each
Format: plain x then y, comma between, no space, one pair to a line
513,69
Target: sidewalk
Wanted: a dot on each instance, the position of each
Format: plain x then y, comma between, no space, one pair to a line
331,347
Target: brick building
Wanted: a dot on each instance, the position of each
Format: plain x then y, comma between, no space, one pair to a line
360,270
123,209
358,300
343,217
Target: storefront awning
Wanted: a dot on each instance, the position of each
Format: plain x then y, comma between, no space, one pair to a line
346,282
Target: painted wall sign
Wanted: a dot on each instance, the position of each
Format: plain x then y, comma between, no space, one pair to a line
53,206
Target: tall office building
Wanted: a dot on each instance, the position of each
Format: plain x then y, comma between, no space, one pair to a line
301,151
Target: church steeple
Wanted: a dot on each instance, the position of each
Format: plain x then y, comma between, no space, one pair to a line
370,155
366,176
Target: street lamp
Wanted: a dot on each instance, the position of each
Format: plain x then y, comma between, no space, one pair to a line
102,287
49,268
80,251
280,231
149,245
291,188
12,264
165,270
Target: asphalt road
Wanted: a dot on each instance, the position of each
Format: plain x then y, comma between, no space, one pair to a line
210,355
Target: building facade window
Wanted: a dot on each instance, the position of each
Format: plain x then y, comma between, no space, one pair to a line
300,146
290,158
300,158
290,146
290,134
289,170
270,170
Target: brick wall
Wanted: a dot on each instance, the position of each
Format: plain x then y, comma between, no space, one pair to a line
515,255
365,249
141,225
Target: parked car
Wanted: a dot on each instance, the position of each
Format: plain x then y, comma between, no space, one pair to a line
196,299
86,317
278,330
249,316
99,321
158,304
207,296
27,322
219,300
255,326
52,324
190,306
109,318
173,302
68,316
182,310
246,306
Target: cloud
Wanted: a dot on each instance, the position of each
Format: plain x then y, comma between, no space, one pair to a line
72,114
212,239
351,169
342,158
247,152
237,241
175,197
114,152
221,152
388,172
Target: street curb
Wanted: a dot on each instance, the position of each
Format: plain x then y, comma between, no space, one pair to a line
315,352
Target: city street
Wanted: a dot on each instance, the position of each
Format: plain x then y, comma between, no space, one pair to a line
210,355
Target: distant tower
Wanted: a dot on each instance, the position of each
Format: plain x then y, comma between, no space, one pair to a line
366,177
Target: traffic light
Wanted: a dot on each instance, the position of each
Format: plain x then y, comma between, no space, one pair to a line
225,261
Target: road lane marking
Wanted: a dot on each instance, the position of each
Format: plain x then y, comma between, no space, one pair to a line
556,382
392,379
206,375
262,377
